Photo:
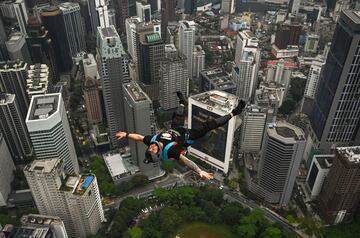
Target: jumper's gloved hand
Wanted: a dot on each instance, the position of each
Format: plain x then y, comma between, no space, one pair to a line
239,108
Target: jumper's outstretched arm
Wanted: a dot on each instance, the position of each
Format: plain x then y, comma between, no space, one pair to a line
136,137
196,168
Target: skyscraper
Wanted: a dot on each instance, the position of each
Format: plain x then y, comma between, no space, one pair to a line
150,54
73,198
313,79
93,14
198,60
214,148
92,101
143,11
17,48
40,46
110,63
340,194
49,130
287,34
39,80
13,128
103,13
335,117
131,38
13,75
167,15
187,42
227,6
122,13
283,148
245,76
15,9
174,78
140,119
74,27
7,168
53,21
245,40
252,129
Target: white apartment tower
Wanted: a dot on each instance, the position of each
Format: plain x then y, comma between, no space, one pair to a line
143,11
131,40
13,127
252,129
186,33
73,198
75,32
313,78
38,81
49,130
214,149
7,168
246,40
174,78
245,76
110,58
102,13
283,149
198,60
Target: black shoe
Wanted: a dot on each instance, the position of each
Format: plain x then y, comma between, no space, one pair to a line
181,97
239,108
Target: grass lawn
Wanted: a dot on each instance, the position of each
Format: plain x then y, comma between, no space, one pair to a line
202,230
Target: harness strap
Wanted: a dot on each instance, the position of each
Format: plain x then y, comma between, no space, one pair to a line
165,151
153,139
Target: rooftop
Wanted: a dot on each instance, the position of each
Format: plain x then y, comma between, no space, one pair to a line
43,106
43,166
115,164
78,184
285,132
6,98
325,161
12,65
136,92
217,99
108,32
154,37
351,153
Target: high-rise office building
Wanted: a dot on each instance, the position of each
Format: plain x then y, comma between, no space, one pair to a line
13,75
198,60
245,40
283,148
40,46
7,168
340,194
110,62
335,117
112,18
102,13
39,80
75,199
3,38
92,101
167,15
150,54
74,27
294,6
252,129
13,128
287,34
122,13
53,21
49,130
227,6
93,14
245,76
131,38
214,148
15,9
37,226
318,171
143,11
313,78
140,119
174,78
187,42
17,48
